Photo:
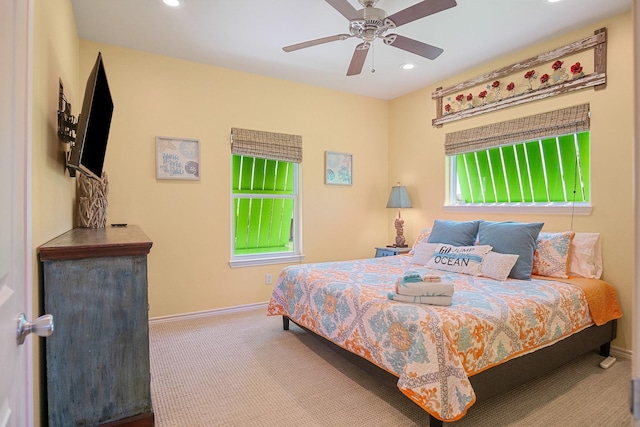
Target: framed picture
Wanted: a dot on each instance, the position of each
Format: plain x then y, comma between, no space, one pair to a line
177,158
338,168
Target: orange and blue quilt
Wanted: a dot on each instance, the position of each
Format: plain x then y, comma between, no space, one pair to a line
433,350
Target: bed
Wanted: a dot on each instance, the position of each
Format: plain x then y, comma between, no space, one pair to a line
497,334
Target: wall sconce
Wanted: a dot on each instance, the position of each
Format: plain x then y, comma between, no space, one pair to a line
399,198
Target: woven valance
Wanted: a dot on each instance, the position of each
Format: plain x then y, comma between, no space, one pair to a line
559,122
266,145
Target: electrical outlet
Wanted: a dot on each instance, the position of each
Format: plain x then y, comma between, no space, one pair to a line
267,279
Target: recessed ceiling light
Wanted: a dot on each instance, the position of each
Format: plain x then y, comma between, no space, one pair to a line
173,3
553,1
407,66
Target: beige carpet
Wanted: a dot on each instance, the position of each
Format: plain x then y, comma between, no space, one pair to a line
242,369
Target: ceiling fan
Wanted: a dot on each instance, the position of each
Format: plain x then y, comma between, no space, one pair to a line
370,23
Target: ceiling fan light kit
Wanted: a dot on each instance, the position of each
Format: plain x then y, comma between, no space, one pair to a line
370,23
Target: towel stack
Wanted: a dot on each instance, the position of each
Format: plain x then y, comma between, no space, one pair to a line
423,288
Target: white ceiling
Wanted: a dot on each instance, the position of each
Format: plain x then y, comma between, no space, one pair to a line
248,35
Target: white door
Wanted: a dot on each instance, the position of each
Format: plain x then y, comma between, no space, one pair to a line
15,259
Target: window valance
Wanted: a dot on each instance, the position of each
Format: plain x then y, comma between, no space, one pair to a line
266,145
559,122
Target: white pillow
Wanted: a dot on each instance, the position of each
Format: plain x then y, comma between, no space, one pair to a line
422,237
423,252
497,266
585,256
459,259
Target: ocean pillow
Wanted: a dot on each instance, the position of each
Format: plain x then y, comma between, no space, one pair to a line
517,238
456,233
498,266
423,252
459,259
551,257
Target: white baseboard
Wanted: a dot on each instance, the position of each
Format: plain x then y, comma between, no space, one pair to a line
621,353
208,313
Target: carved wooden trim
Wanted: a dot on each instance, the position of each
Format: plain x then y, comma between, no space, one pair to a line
598,79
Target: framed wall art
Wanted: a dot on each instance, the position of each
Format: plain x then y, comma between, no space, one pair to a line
177,158
338,168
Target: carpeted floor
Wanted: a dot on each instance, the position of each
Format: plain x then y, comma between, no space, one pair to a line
242,369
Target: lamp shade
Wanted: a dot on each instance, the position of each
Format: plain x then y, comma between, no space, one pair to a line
399,198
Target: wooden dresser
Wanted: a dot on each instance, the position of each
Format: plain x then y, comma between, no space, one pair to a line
97,359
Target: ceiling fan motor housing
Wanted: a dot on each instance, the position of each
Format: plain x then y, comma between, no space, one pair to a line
372,24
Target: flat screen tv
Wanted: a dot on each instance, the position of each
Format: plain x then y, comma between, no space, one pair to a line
87,154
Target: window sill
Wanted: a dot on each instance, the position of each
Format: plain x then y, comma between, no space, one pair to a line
524,208
265,260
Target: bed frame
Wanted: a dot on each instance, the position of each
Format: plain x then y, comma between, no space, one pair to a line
520,370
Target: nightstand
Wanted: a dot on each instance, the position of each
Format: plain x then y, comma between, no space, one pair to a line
390,251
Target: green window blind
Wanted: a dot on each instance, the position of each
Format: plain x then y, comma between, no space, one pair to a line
263,197
552,169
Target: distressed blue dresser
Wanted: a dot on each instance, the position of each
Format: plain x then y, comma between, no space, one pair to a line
97,359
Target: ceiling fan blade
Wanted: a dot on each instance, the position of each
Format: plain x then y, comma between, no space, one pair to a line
345,8
358,58
414,46
420,10
316,42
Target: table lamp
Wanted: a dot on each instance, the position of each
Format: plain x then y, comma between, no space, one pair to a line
399,198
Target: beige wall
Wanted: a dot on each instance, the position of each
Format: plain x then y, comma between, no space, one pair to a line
55,57
189,222
417,155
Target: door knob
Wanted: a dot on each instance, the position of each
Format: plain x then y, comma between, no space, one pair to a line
42,326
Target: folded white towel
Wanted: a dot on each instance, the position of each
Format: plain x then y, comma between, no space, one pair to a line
422,299
434,289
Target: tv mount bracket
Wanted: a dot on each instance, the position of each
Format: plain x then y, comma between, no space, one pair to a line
67,125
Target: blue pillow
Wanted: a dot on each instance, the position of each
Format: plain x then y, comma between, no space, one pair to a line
518,238
456,233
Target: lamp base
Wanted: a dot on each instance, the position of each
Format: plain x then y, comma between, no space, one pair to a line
399,226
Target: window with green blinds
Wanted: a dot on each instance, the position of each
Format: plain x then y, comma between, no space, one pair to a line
541,171
264,197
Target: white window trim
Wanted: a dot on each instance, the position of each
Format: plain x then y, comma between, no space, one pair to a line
523,208
254,260
295,256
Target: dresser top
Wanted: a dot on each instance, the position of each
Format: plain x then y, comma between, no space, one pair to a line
96,242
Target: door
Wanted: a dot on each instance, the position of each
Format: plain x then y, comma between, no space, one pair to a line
15,248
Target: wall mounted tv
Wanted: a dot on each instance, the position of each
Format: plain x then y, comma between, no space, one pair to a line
88,152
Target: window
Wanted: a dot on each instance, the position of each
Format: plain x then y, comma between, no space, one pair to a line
541,171
495,168
265,204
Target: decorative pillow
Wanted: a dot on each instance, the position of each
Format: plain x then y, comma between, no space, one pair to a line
456,233
551,256
424,235
497,266
459,259
423,252
585,256
518,238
